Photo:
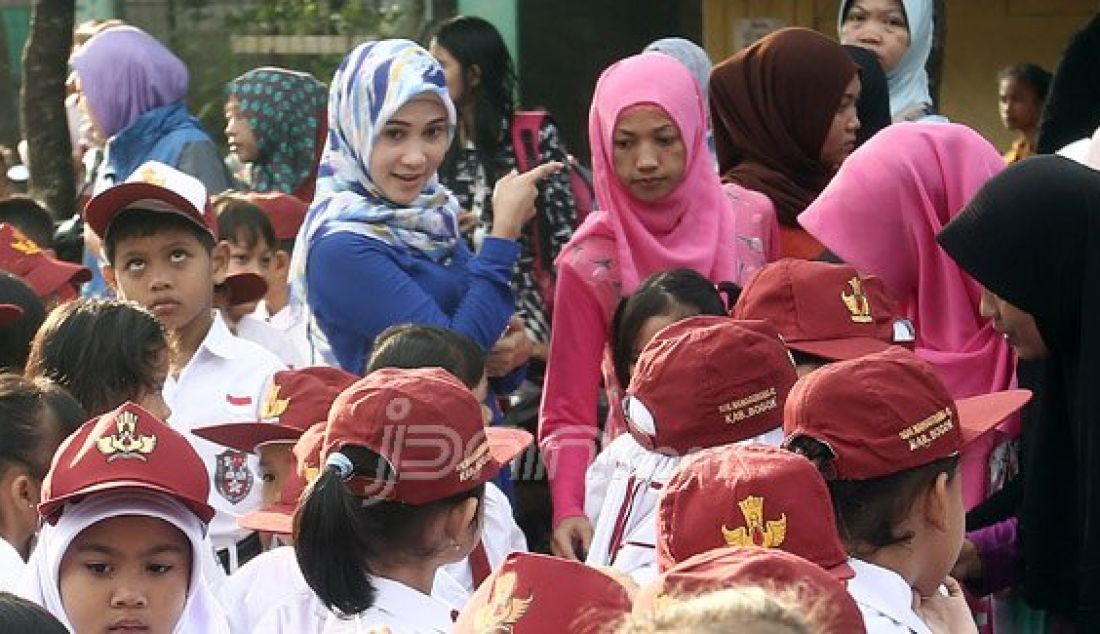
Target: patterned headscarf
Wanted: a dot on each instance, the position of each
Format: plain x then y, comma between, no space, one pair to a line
371,84
285,110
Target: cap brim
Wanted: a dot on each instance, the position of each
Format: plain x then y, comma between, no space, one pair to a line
840,349
52,508
243,288
276,518
247,436
841,571
9,314
49,275
505,443
102,209
979,414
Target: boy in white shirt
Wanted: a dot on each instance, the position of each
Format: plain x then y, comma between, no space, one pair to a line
162,251
886,435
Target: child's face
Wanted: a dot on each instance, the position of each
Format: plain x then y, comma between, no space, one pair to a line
170,273
948,537
1020,107
276,463
648,152
260,259
127,573
880,26
242,139
646,333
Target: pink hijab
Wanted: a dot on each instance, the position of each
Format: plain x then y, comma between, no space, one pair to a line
881,214
693,226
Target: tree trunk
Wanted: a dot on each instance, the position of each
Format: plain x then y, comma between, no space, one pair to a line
935,59
45,67
9,122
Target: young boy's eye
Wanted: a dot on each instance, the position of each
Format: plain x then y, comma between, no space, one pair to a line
267,477
239,259
177,256
134,264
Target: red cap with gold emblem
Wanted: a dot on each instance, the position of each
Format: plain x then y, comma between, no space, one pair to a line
426,428
153,187
285,212
827,310
279,517
888,412
749,495
706,381
532,594
820,595
127,448
296,400
19,255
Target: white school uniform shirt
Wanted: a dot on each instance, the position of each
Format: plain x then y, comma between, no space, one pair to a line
293,321
11,566
885,599
258,331
501,537
398,607
225,381
622,495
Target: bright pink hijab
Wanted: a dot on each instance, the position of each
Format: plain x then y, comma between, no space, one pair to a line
881,213
693,226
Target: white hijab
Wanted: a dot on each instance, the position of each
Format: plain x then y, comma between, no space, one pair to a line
41,580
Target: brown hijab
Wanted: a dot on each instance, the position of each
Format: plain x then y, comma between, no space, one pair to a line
772,105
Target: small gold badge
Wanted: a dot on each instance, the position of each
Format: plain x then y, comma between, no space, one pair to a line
857,303
503,610
756,532
126,444
150,175
273,406
22,243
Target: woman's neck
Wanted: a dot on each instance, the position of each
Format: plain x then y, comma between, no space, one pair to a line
419,576
467,125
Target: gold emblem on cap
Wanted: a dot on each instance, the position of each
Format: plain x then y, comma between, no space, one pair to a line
273,406
22,243
857,303
126,443
151,176
503,610
756,531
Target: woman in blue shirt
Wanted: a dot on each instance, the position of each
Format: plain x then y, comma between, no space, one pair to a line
380,245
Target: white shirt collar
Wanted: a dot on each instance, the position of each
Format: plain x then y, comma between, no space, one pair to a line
11,565
419,612
219,340
886,592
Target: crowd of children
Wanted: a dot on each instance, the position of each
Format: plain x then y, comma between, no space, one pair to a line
287,414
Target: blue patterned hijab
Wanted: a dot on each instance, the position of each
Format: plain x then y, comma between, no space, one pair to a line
371,84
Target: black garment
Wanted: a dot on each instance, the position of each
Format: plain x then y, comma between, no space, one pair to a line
873,106
1071,111
1032,236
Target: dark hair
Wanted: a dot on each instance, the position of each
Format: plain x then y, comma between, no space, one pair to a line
105,352
422,346
679,292
25,214
868,512
242,222
473,41
25,437
20,615
15,338
365,530
67,411
1031,74
144,222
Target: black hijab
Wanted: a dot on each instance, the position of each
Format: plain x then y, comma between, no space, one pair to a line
873,106
1032,236
1070,113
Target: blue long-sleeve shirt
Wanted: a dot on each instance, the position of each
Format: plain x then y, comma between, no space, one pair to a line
359,286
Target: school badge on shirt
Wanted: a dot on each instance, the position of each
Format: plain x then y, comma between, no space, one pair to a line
232,477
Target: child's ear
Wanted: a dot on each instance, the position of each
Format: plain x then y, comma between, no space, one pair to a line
108,273
463,519
219,262
937,502
281,261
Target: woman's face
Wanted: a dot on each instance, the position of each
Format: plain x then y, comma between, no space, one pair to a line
879,26
1018,327
649,154
409,149
126,574
841,139
242,140
90,128
452,71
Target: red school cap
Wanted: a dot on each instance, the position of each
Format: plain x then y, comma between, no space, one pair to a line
706,381
46,275
888,412
427,429
827,310
296,400
154,187
535,594
815,590
279,517
244,288
285,212
127,448
749,495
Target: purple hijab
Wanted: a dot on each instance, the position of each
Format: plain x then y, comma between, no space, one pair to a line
124,73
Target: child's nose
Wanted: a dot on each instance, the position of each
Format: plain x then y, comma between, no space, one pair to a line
128,596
